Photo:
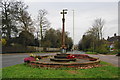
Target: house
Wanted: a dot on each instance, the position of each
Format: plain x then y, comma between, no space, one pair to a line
112,40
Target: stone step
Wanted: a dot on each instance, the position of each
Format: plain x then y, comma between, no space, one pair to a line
62,60
60,56
63,54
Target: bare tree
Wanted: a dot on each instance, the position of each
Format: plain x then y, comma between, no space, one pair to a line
6,19
95,33
44,24
9,25
97,28
21,15
98,25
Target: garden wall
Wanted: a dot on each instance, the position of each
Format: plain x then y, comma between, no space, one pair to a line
23,49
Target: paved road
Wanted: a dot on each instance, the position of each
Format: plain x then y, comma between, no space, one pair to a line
113,59
13,59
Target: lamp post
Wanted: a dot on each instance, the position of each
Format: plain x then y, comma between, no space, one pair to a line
63,47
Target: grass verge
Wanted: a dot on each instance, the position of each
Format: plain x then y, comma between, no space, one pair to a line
24,71
91,53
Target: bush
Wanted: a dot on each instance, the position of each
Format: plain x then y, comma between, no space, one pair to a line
3,41
114,52
102,50
91,49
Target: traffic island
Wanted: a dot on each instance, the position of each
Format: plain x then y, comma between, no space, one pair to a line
78,62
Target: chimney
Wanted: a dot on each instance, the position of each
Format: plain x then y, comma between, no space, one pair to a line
115,35
83,36
108,38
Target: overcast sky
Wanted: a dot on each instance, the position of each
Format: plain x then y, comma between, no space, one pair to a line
85,14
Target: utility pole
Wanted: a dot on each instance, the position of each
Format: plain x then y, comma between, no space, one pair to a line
63,47
37,35
73,32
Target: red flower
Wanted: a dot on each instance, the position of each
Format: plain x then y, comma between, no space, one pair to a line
80,56
28,59
70,57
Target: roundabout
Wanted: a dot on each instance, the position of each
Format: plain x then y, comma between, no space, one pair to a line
79,61
64,59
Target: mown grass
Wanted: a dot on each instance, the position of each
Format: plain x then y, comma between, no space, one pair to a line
110,53
24,71
45,52
0,73
91,53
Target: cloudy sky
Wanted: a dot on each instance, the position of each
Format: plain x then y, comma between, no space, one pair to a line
85,14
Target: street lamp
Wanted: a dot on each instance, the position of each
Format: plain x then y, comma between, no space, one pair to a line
63,47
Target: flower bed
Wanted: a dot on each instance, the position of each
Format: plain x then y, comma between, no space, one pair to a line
83,61
29,59
84,56
71,57
33,58
80,56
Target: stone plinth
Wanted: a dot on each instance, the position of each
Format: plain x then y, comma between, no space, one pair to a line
62,58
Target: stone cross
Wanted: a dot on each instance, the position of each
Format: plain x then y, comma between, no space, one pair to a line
63,47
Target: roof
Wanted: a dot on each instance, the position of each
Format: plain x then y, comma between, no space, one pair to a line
115,38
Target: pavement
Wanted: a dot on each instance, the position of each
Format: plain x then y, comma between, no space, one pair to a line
13,59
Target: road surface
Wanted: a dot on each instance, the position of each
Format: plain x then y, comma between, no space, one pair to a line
13,59
113,59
